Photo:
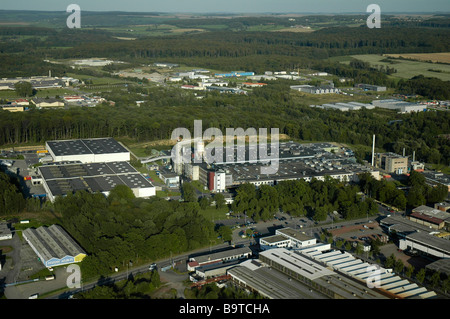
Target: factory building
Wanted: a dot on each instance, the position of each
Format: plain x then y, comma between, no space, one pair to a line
280,273
382,280
417,237
326,89
287,238
294,161
399,105
431,217
53,245
5,232
370,87
217,258
60,180
392,163
88,150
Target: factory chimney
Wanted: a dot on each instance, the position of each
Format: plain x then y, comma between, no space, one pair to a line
373,150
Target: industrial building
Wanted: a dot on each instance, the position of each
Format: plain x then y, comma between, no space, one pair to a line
383,280
233,74
53,245
295,161
87,150
442,266
344,107
427,244
326,89
306,278
5,232
62,179
287,238
44,103
399,105
431,217
392,163
435,178
370,87
217,258
37,82
417,237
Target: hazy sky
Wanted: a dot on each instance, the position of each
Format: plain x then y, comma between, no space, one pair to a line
237,6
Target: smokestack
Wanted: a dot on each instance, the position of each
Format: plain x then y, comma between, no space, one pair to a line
403,151
414,156
373,149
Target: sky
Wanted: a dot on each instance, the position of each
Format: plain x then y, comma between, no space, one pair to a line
231,6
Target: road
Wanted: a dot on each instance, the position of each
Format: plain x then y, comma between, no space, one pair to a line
175,280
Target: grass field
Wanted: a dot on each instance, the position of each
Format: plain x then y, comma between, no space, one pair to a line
406,69
441,57
319,99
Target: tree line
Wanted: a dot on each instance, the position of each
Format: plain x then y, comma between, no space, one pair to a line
315,199
120,228
276,105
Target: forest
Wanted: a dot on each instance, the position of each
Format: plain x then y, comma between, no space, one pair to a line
120,228
273,106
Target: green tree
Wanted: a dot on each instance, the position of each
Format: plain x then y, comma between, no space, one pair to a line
435,279
220,200
225,232
121,192
420,276
204,202
188,192
409,271
23,88
398,266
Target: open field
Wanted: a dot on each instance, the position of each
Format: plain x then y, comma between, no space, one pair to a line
441,57
406,69
299,30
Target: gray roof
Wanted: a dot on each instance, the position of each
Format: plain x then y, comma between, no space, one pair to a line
222,255
441,265
52,242
431,241
86,146
293,234
93,177
429,211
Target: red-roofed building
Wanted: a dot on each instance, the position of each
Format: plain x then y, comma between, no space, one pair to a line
431,217
22,102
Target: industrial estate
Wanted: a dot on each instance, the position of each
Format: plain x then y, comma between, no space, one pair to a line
102,198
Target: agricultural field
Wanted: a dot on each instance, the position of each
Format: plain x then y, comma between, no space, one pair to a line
406,69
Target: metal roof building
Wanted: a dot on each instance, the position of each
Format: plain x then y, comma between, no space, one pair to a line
219,257
53,245
310,278
386,282
60,180
88,150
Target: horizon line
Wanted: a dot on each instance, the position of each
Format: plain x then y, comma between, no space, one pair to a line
235,13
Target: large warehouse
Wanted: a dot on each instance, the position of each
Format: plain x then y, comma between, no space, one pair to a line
88,150
53,245
60,180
